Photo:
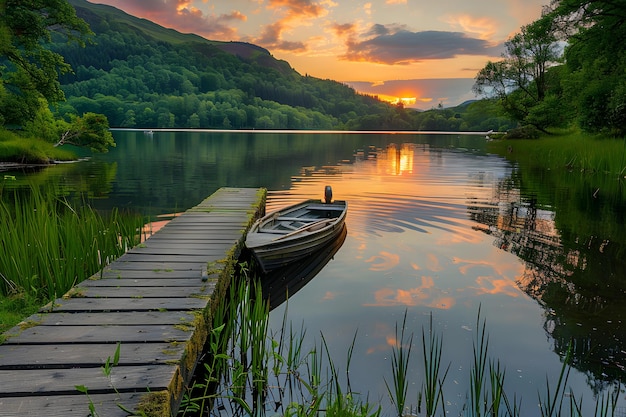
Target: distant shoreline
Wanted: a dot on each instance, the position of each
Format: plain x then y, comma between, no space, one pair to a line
347,132
11,166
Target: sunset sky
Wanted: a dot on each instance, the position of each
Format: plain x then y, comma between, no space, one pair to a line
426,51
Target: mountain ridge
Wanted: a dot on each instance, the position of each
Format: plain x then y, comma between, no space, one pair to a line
97,14
142,75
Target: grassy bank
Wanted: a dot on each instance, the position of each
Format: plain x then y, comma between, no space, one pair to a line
25,150
50,244
570,149
568,167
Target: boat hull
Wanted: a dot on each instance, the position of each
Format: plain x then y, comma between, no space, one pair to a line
284,282
273,247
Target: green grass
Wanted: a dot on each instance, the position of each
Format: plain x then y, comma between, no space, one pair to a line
26,150
568,149
50,244
14,308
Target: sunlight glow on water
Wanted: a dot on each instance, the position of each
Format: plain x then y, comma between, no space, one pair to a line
414,245
435,226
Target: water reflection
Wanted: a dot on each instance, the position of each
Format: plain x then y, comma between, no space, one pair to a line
436,225
419,190
280,284
568,278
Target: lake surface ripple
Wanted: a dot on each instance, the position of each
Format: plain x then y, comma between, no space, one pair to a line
436,226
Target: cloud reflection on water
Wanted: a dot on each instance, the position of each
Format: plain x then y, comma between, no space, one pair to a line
436,237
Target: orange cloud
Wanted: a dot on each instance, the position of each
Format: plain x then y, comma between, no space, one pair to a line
484,27
183,16
383,262
343,30
298,9
426,295
491,285
272,38
293,12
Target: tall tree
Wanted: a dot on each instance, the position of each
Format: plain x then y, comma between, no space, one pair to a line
521,80
596,34
28,69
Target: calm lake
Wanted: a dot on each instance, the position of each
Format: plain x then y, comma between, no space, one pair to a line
436,225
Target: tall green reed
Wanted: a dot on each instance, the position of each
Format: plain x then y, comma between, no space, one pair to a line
253,372
486,388
400,356
432,389
50,243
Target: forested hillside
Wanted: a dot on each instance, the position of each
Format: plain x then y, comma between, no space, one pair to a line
142,75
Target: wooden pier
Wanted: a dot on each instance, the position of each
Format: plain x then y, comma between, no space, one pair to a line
155,301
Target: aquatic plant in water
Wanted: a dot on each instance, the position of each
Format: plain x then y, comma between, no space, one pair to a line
275,375
51,243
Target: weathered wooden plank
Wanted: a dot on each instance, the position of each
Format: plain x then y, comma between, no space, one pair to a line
148,281
69,405
179,251
165,258
165,266
141,292
232,219
64,381
197,237
87,355
191,244
112,272
103,334
148,299
200,231
97,319
128,304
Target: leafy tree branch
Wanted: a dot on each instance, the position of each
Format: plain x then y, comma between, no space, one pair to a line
91,130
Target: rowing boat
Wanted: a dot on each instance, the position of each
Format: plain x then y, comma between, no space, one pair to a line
294,232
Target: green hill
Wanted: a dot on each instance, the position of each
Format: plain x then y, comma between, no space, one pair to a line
142,75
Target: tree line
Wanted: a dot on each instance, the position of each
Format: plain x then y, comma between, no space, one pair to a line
143,81
70,69
566,68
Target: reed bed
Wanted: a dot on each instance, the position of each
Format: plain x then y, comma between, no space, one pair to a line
49,243
255,373
293,381
571,150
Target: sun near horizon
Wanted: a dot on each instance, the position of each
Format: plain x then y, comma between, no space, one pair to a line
441,46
